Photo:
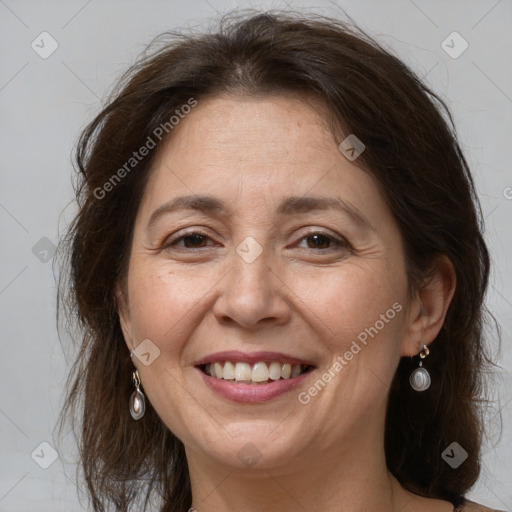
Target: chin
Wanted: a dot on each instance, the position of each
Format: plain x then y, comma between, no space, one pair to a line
254,446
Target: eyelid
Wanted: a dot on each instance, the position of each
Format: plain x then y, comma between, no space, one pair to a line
321,231
169,241
338,240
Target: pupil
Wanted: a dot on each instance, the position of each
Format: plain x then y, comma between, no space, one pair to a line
196,239
316,238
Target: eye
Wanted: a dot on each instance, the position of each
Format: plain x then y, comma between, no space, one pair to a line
192,240
323,241
316,240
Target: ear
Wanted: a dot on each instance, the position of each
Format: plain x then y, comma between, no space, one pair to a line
428,309
123,310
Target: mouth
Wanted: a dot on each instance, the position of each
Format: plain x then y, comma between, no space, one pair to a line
259,373
256,377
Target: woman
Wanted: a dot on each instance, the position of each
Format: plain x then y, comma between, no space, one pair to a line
278,272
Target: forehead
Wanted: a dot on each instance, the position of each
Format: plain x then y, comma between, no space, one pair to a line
257,141
254,127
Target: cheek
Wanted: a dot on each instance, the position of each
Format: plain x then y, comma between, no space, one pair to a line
163,306
159,302
351,298
362,305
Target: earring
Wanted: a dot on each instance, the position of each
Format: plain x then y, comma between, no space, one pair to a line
137,399
420,378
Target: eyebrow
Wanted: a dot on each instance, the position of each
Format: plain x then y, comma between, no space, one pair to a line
289,206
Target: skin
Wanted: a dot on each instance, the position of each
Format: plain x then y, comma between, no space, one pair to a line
196,299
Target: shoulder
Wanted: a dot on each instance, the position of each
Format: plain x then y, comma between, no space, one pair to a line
471,506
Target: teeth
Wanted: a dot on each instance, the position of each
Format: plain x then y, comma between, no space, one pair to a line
296,370
275,371
286,371
242,371
260,372
229,371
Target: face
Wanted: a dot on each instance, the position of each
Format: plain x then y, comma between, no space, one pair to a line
293,263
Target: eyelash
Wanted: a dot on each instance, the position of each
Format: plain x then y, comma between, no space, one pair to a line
339,242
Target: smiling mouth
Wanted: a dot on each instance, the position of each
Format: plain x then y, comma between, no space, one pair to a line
262,372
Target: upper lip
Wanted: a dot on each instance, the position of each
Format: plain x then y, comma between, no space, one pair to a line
236,356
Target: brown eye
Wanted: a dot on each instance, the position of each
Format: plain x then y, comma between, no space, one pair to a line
323,242
319,241
191,240
194,241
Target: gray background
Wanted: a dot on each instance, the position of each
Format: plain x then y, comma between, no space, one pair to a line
46,102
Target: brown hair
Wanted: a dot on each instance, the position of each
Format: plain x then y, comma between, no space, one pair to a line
411,151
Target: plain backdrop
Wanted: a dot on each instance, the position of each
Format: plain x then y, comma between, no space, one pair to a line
46,102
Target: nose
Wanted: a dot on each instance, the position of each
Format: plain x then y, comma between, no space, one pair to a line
252,295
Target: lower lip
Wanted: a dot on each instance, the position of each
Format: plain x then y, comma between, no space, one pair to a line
239,392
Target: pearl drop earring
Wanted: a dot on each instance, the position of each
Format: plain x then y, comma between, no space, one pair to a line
420,378
137,400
